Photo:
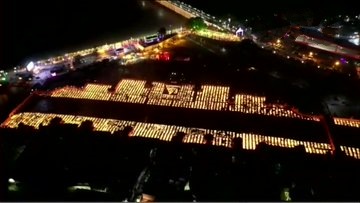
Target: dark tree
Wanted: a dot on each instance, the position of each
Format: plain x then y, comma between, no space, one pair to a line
196,24
161,32
77,59
56,121
87,126
178,138
209,139
128,131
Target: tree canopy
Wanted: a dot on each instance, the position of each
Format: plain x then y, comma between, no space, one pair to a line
162,32
196,23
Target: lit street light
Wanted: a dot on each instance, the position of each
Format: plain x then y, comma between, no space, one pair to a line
11,180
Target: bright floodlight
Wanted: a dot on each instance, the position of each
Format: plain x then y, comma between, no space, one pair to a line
187,187
355,41
240,32
11,180
30,66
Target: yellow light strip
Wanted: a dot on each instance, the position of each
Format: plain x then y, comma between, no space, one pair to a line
256,105
351,151
347,122
209,97
166,132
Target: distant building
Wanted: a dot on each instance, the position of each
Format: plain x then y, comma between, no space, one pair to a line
358,71
346,33
151,39
313,37
147,198
90,58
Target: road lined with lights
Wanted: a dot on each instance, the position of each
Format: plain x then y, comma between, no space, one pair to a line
188,12
40,70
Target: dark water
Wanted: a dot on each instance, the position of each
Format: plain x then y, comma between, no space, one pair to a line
37,29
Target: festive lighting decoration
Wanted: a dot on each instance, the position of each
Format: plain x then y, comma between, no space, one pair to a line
209,97
166,132
347,122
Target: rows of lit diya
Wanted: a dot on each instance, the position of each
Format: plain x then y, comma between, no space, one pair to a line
347,122
134,91
184,97
209,97
97,88
77,93
351,151
166,132
212,97
157,97
131,91
256,105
